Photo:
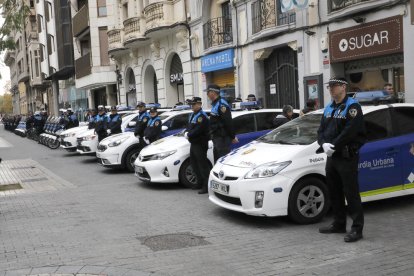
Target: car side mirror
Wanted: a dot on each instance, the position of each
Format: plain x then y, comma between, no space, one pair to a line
164,128
132,124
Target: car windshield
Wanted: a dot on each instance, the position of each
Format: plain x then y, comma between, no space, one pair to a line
301,131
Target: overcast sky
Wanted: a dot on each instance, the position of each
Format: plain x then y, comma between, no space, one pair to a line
4,70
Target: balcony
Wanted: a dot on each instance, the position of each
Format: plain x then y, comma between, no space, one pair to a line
9,57
217,31
31,36
115,40
80,21
267,14
163,14
132,29
83,66
336,5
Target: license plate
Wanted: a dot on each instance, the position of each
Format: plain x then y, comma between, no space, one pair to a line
139,169
219,187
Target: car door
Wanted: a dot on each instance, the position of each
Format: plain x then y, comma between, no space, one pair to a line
403,119
176,124
380,163
244,127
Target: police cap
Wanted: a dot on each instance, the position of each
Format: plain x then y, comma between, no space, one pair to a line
214,88
140,104
101,108
153,110
113,108
337,80
194,100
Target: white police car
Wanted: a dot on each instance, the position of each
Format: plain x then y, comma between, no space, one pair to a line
168,160
120,151
87,141
281,174
68,137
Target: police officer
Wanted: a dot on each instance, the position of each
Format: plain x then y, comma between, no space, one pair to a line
153,130
101,123
72,119
286,116
115,122
340,135
38,122
92,118
197,133
143,118
221,123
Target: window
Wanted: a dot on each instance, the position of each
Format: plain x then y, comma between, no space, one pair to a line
42,53
31,65
404,120
378,125
125,11
101,4
103,42
39,23
50,44
265,120
37,64
47,11
244,124
31,4
179,121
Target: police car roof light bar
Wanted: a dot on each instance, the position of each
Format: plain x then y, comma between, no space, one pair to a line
153,105
182,107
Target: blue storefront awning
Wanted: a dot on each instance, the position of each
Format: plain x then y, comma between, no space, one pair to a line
217,61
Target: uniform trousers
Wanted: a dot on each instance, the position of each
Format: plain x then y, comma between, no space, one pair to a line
222,146
200,163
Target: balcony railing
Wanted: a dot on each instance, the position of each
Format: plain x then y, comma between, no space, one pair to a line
217,31
335,5
267,14
131,28
83,66
80,21
115,39
163,14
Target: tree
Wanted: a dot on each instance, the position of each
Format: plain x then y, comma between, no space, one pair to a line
6,100
14,13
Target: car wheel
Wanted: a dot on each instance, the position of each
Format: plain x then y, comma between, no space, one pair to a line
308,201
54,144
130,159
187,176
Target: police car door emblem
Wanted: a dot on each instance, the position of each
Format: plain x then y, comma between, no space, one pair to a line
248,151
353,112
221,174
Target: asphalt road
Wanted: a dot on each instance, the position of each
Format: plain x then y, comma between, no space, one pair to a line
90,219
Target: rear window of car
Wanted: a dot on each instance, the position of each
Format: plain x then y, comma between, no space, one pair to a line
244,124
264,120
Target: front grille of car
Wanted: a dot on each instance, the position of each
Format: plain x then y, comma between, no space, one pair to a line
144,175
67,144
102,148
228,199
227,178
83,148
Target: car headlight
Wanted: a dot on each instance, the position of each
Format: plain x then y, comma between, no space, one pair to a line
267,170
162,155
89,138
117,142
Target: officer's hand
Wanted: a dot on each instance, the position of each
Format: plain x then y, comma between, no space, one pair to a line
108,131
186,135
137,136
146,140
328,148
235,140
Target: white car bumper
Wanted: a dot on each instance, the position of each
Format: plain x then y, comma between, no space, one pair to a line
109,157
160,171
240,195
87,147
68,143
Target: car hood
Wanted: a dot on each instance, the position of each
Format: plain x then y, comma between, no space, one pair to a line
74,130
257,153
165,144
115,137
87,133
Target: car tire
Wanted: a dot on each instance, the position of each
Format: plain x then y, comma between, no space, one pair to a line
54,144
130,158
186,175
308,201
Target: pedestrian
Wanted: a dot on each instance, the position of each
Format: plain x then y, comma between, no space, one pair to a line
153,130
286,116
221,123
115,122
197,133
101,123
340,135
142,122
311,105
388,87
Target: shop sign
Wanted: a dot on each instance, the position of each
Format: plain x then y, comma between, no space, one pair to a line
377,38
217,61
176,78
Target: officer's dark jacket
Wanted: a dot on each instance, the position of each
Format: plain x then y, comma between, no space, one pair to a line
198,128
92,122
72,121
115,122
142,122
221,123
101,123
29,122
153,130
38,122
342,125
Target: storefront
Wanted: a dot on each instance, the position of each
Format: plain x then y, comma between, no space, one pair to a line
218,68
370,55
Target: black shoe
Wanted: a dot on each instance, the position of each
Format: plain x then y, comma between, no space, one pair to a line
202,192
332,229
352,236
196,188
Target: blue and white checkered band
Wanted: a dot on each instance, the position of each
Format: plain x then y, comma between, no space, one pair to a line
333,81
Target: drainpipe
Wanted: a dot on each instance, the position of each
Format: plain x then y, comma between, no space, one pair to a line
237,49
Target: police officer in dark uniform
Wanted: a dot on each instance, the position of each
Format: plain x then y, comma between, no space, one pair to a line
197,133
153,130
72,119
340,135
101,124
143,118
92,118
38,123
221,123
115,122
